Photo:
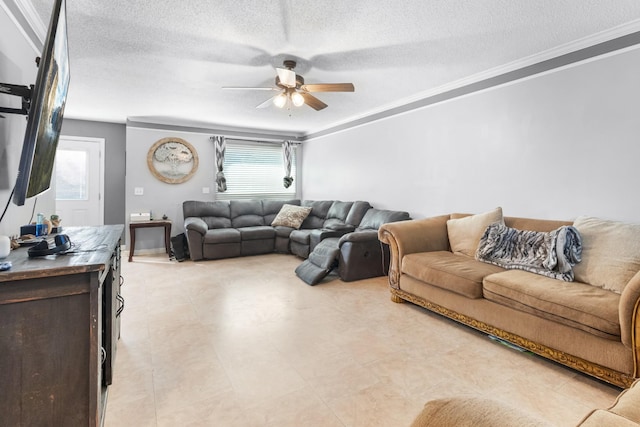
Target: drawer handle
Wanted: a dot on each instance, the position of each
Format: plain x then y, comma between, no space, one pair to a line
121,308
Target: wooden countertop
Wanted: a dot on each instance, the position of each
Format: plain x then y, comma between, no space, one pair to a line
91,250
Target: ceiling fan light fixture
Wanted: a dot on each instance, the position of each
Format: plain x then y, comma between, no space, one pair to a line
293,91
280,100
297,99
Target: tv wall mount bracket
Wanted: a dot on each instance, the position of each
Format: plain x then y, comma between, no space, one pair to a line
25,92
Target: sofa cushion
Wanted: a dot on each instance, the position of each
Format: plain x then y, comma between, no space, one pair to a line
246,213
215,214
358,209
626,404
625,411
610,252
467,411
271,208
257,233
319,211
465,233
301,236
291,216
337,214
222,235
574,304
456,273
282,231
602,418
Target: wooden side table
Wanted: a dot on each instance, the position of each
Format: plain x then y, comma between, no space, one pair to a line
133,226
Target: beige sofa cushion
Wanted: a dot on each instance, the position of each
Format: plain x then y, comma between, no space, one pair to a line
602,418
291,216
610,252
628,403
574,304
446,270
473,412
465,233
624,412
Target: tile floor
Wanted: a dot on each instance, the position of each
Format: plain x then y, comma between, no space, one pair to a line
243,342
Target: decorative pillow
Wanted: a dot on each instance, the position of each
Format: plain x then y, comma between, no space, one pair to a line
551,253
291,216
465,233
610,253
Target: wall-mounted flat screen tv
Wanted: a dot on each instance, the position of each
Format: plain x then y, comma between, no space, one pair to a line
45,113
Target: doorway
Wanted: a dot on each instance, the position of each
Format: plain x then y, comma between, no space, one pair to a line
79,181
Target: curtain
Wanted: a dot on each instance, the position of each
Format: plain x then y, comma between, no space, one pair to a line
287,152
220,147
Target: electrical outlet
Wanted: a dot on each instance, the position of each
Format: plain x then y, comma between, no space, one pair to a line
205,190
138,191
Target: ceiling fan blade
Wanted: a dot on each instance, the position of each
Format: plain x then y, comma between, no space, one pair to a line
287,77
329,87
313,102
266,103
249,88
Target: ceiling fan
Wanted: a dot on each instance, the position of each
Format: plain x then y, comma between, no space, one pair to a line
294,91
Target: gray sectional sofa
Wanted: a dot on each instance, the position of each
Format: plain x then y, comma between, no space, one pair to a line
225,229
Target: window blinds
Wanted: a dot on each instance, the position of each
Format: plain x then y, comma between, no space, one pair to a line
255,171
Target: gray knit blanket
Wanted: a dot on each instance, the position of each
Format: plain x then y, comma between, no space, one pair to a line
551,254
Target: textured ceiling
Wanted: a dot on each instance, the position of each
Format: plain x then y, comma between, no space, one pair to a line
167,61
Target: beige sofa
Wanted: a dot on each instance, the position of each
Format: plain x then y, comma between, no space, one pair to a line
482,412
585,327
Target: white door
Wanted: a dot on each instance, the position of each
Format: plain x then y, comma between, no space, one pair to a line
79,181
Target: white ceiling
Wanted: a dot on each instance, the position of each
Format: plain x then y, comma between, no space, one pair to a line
164,61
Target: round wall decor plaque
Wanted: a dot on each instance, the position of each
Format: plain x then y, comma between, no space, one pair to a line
172,160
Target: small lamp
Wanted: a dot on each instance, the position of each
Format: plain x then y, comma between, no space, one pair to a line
297,99
280,100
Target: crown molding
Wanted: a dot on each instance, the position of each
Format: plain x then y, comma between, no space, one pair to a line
27,20
541,57
228,131
605,42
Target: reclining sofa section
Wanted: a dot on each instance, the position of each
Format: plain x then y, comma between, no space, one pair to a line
225,229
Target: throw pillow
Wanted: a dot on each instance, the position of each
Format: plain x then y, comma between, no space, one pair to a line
610,253
465,233
291,216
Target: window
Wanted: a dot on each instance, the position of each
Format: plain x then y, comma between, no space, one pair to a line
255,171
71,175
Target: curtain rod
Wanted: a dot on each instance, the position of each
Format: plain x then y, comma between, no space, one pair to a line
264,141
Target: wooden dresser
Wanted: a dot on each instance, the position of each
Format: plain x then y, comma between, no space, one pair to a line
59,326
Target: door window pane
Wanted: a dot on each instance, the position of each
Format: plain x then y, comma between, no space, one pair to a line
71,175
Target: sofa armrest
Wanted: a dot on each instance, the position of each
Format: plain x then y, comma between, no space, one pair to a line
629,312
344,228
359,236
196,224
407,237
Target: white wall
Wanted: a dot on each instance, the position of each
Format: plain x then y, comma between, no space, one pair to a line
159,197
17,66
557,145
